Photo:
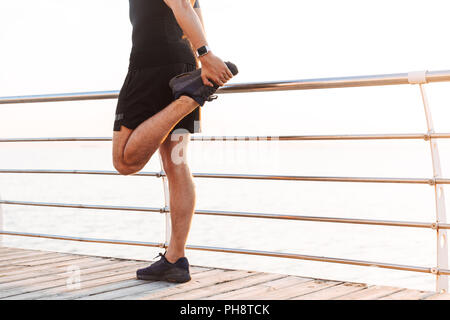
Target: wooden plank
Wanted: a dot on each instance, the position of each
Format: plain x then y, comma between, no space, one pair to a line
296,290
30,272
17,270
408,294
127,272
146,286
439,296
332,292
150,286
85,268
8,249
108,284
114,290
25,259
19,251
271,292
370,293
45,261
203,292
260,289
14,255
33,291
43,294
179,291
87,281
92,288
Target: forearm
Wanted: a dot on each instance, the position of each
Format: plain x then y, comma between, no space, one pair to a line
189,22
213,68
198,11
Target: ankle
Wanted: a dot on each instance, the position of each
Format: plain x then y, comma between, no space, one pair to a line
173,256
186,100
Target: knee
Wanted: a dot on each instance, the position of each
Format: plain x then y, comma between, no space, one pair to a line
125,169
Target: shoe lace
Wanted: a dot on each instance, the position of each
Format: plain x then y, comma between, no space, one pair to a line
160,255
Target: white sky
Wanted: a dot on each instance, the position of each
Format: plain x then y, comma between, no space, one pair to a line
54,46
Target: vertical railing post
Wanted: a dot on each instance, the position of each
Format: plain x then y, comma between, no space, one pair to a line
441,216
168,224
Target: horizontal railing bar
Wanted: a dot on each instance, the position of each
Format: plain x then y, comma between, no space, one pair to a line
405,136
445,272
242,176
317,219
306,84
337,82
237,251
313,178
81,206
237,214
83,172
312,258
57,139
82,239
439,135
60,97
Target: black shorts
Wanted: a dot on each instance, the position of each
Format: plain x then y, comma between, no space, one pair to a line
146,91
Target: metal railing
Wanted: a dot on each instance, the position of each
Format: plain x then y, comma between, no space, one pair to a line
440,225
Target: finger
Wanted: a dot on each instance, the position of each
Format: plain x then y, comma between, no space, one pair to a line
219,82
230,74
206,82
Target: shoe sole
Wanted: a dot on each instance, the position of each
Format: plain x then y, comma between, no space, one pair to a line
176,277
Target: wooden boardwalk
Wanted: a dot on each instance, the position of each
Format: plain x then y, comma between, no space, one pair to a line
31,274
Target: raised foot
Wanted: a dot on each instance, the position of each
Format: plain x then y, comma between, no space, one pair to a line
191,84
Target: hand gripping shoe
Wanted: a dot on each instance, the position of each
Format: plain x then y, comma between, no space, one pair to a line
191,84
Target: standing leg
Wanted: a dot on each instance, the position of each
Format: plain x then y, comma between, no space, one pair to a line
182,192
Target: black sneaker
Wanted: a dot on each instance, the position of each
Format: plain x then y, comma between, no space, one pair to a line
191,84
163,270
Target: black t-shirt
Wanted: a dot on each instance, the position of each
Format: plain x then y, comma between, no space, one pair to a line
157,38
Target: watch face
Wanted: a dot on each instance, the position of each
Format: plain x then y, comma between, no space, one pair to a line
202,51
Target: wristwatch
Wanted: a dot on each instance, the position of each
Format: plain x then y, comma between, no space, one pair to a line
202,51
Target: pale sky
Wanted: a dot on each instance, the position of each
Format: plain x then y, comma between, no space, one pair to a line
57,46
54,46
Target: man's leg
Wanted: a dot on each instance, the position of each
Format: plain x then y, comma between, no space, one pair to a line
132,149
182,192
